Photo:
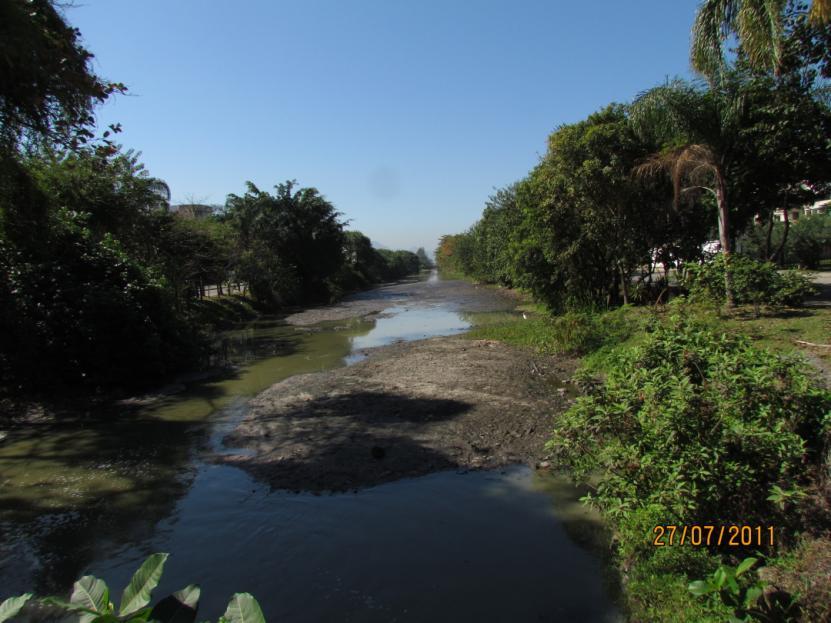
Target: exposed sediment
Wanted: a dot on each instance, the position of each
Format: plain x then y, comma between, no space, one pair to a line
409,409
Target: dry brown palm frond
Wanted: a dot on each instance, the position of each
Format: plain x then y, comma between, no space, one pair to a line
691,164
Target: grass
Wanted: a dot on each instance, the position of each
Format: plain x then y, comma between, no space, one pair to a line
573,333
596,337
779,332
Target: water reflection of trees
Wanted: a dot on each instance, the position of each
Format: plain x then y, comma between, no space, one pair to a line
84,488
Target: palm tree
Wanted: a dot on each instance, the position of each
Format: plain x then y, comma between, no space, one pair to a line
702,125
758,24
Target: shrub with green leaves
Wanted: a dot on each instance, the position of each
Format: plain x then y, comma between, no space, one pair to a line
754,283
91,601
747,600
81,312
695,426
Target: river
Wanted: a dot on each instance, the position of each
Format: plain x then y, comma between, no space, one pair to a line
97,494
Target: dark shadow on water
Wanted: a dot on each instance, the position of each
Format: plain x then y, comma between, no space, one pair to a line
108,482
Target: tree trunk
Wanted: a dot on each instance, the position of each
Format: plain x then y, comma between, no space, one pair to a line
724,238
624,285
767,238
780,250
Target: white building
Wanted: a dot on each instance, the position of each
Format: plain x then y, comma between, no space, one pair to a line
818,207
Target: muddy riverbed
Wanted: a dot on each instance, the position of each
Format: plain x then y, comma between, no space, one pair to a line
357,463
408,409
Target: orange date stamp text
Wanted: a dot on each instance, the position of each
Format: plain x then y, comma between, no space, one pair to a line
713,536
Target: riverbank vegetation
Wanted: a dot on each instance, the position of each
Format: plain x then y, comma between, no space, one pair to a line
102,282
703,393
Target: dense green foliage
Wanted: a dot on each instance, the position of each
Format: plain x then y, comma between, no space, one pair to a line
693,427
747,600
645,185
82,311
755,283
804,243
289,244
47,87
101,283
91,601
698,425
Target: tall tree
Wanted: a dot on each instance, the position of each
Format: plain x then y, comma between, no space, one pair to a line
423,258
290,242
700,128
47,86
587,224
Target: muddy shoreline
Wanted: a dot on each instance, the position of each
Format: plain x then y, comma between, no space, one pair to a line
409,409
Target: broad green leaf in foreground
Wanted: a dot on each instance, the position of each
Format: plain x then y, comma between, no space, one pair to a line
90,593
243,608
12,606
180,607
137,593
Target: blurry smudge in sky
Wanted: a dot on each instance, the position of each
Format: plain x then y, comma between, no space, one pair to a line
384,183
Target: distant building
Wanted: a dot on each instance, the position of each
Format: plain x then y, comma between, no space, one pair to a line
818,207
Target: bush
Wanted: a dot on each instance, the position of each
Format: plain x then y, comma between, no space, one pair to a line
698,425
810,240
754,283
80,312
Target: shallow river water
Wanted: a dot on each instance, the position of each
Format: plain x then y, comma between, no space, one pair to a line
507,545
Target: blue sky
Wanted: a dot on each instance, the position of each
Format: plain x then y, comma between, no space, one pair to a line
405,115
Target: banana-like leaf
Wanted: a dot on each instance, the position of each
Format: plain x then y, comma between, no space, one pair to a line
12,606
243,608
700,587
180,607
137,593
90,593
745,566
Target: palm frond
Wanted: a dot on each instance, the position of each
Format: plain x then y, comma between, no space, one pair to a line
713,23
820,12
693,164
677,111
758,24
759,27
